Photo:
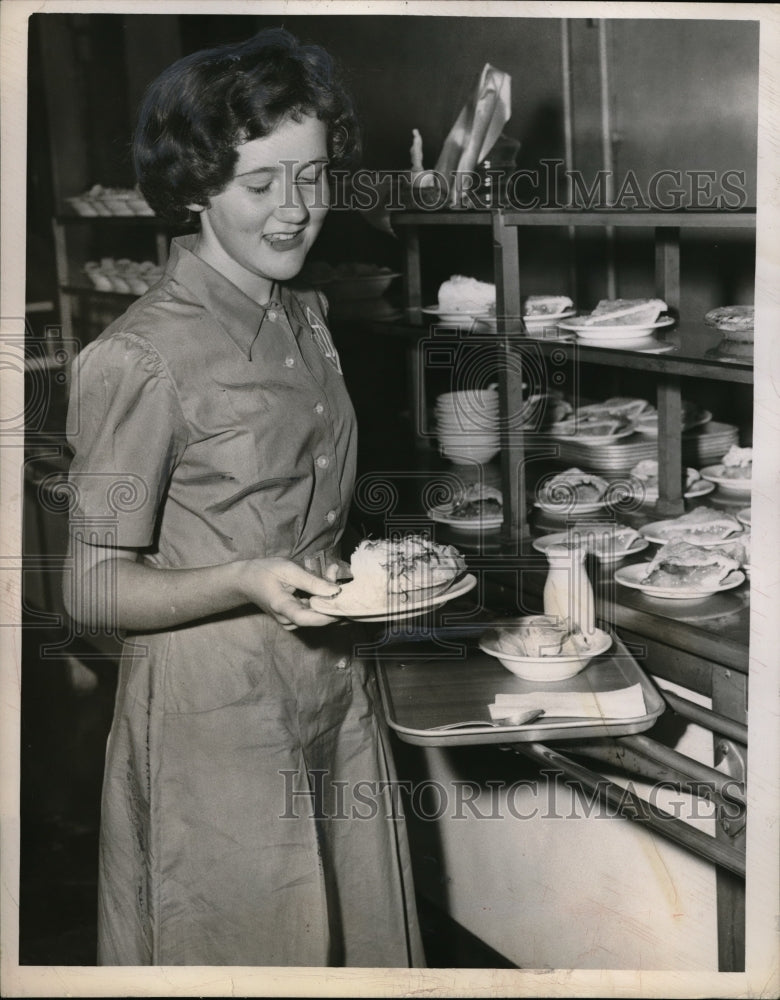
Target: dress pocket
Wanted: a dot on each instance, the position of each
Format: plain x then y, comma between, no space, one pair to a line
217,663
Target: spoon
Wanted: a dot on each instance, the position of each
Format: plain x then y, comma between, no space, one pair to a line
510,720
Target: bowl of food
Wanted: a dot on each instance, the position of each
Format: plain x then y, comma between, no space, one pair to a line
542,648
353,281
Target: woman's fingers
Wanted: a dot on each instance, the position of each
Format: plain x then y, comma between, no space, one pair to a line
338,570
297,578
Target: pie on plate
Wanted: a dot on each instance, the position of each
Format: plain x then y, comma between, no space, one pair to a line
703,526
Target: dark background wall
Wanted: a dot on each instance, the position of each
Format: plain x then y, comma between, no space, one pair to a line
677,103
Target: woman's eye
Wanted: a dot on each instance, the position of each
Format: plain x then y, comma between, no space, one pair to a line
263,189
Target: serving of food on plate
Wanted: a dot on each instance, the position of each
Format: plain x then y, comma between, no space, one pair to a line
645,488
478,506
607,542
735,322
541,311
734,472
681,571
620,318
703,526
692,416
571,491
394,577
464,298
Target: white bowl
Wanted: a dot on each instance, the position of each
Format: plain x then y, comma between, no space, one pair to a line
545,669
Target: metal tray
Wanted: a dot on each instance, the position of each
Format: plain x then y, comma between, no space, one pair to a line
423,689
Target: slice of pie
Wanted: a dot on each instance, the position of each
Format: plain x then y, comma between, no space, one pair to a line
679,564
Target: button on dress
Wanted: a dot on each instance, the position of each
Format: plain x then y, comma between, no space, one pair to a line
249,815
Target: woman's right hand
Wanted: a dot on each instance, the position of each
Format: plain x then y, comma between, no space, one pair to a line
273,585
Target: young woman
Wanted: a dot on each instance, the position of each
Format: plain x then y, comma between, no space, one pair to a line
214,459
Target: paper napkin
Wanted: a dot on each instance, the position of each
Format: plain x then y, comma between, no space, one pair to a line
625,703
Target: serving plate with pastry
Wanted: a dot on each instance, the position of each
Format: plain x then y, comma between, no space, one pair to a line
681,571
593,429
607,542
692,416
479,507
645,487
571,492
620,319
732,475
394,579
543,311
703,526
463,299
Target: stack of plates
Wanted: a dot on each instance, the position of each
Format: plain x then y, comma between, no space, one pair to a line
467,425
701,446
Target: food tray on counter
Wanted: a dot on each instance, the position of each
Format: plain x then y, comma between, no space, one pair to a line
702,445
422,689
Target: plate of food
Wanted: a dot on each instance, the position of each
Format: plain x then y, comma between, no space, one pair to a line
620,319
571,492
743,516
542,311
543,649
463,299
607,542
395,579
592,429
646,486
478,508
682,572
733,473
735,322
692,416
703,526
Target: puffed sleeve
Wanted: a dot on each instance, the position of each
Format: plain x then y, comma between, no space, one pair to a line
127,432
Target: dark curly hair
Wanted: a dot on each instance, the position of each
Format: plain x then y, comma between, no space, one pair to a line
202,107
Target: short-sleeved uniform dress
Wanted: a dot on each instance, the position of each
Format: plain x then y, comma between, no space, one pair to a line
250,815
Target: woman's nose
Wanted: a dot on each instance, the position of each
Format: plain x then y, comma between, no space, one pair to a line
293,207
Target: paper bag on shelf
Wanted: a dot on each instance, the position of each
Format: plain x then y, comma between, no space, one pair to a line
476,128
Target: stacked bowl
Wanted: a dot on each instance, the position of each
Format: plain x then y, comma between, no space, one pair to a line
467,425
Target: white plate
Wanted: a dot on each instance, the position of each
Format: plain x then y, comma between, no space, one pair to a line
442,516
700,488
737,487
341,608
743,516
565,508
630,576
540,322
605,555
616,332
462,316
655,533
591,439
651,430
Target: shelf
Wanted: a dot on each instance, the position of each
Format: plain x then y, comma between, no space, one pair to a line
744,218
693,356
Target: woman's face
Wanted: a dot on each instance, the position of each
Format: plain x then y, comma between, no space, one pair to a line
259,229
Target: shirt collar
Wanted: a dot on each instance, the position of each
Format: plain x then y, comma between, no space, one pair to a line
238,315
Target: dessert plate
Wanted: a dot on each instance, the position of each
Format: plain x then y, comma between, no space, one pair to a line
565,507
443,515
615,332
737,487
590,439
606,554
743,516
699,488
630,576
344,606
670,530
467,316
